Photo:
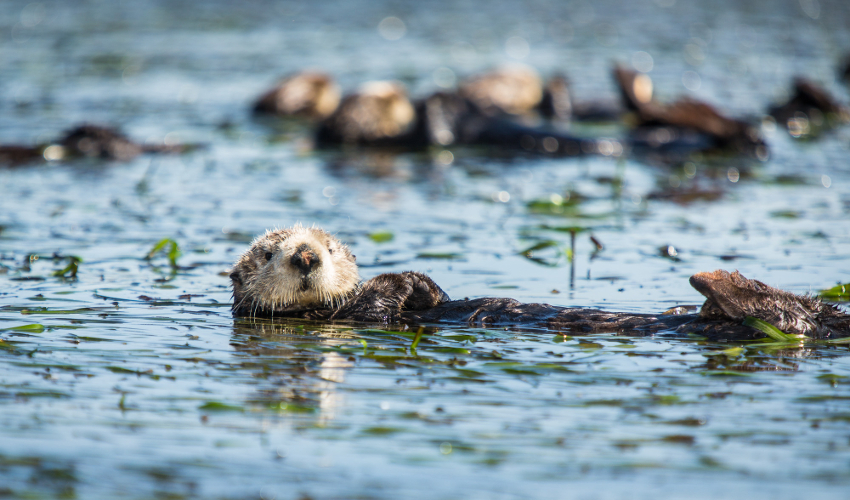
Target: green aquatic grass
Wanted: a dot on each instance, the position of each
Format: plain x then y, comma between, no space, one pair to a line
781,337
528,252
69,271
770,330
439,255
45,310
417,338
381,236
32,328
171,249
838,293
219,407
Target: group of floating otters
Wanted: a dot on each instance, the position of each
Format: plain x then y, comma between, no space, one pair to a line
492,109
307,273
303,272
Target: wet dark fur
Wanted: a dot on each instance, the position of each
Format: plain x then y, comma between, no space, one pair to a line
809,99
446,119
382,299
730,298
683,118
18,155
307,273
386,297
88,141
412,297
95,141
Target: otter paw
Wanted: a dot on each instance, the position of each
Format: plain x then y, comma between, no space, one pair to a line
383,297
424,293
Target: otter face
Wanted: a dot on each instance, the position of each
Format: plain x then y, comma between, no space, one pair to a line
293,269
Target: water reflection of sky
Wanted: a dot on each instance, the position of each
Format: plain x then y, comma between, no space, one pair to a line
110,401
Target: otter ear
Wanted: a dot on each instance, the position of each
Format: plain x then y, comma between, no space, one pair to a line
236,277
354,257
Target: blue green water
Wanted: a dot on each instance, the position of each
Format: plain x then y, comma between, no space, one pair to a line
138,383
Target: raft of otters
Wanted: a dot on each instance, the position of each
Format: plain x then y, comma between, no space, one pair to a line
307,273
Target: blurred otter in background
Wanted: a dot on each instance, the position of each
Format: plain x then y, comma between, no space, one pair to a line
85,141
844,70
380,114
519,90
514,90
15,154
306,94
558,104
809,110
686,123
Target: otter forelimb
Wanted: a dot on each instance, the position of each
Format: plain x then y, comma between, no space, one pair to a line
385,297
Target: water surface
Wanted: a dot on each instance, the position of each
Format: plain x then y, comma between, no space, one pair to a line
137,383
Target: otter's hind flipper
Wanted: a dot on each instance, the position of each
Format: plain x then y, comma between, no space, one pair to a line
737,297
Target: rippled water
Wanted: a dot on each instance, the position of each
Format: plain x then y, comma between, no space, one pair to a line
136,382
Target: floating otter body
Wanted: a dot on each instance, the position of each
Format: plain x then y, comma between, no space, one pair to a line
730,299
380,114
14,154
306,273
809,109
85,141
307,94
514,90
519,90
686,122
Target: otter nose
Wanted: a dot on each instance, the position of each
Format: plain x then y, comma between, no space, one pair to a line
304,259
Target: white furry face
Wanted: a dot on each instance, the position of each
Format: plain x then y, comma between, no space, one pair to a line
293,269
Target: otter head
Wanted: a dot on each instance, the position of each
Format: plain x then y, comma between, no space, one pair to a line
513,89
311,94
378,111
294,269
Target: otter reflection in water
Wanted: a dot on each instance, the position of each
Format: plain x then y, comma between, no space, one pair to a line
307,273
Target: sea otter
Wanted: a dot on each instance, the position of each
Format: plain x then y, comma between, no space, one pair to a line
514,90
519,90
85,141
380,114
809,110
687,123
307,273
307,94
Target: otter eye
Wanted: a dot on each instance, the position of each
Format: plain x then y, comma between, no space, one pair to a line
269,255
330,250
